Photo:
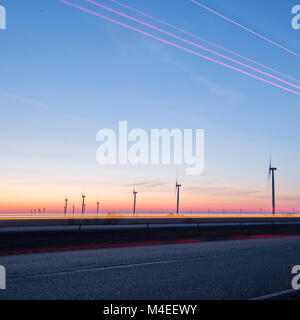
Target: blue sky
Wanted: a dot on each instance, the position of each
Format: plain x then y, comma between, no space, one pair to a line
66,74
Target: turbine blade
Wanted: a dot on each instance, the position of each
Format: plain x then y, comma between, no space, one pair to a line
270,167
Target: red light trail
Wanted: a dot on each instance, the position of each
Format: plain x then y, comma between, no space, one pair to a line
189,42
177,46
203,40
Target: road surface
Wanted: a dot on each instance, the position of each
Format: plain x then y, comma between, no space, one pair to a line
241,269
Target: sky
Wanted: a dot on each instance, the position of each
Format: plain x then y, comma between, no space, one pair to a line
66,74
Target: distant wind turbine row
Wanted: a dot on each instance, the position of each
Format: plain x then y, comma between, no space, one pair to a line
177,189
35,211
83,205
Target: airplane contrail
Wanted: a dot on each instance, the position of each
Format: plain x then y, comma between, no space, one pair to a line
177,46
190,42
202,39
247,29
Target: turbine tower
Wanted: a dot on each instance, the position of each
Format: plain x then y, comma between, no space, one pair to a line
98,204
66,205
134,201
178,191
83,204
272,173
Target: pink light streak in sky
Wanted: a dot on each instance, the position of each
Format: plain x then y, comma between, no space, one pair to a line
202,39
176,46
190,42
247,29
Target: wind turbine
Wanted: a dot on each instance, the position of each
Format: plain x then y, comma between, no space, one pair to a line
134,200
178,191
66,205
98,204
83,204
272,173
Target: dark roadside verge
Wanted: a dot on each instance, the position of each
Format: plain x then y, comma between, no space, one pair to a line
35,241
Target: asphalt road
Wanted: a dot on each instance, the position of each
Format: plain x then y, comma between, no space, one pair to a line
241,269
